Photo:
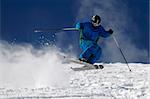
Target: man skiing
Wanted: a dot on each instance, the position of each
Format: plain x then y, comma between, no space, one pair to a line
89,36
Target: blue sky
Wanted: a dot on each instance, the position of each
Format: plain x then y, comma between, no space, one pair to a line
20,17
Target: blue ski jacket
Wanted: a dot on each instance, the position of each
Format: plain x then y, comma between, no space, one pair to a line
90,33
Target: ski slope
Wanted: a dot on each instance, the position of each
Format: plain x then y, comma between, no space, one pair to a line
113,82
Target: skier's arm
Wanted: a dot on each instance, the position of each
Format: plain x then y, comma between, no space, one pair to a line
105,33
79,26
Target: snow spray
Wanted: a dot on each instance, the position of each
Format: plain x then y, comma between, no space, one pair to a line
23,66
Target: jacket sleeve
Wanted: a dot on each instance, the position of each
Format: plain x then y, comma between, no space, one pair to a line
79,26
104,33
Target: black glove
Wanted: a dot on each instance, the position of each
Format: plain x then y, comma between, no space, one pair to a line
110,31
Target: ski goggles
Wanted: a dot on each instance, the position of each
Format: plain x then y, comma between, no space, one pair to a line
96,23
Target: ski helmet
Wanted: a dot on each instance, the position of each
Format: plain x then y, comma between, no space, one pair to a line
96,19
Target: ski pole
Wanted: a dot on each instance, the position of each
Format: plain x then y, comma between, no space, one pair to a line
121,52
55,30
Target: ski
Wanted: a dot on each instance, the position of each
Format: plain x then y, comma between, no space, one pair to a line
87,66
83,68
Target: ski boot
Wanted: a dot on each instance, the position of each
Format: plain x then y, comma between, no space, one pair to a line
84,60
98,66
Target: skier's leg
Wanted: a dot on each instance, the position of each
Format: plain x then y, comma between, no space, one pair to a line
85,45
90,53
96,54
86,53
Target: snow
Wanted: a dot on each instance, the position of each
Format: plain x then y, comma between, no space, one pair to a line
113,82
29,73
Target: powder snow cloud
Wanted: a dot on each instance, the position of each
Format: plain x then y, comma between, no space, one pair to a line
22,66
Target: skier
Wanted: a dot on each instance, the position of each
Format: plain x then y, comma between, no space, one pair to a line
89,36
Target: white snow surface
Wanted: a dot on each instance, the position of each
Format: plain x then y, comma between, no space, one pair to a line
29,73
113,82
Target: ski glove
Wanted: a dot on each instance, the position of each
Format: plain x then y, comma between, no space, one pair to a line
110,31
